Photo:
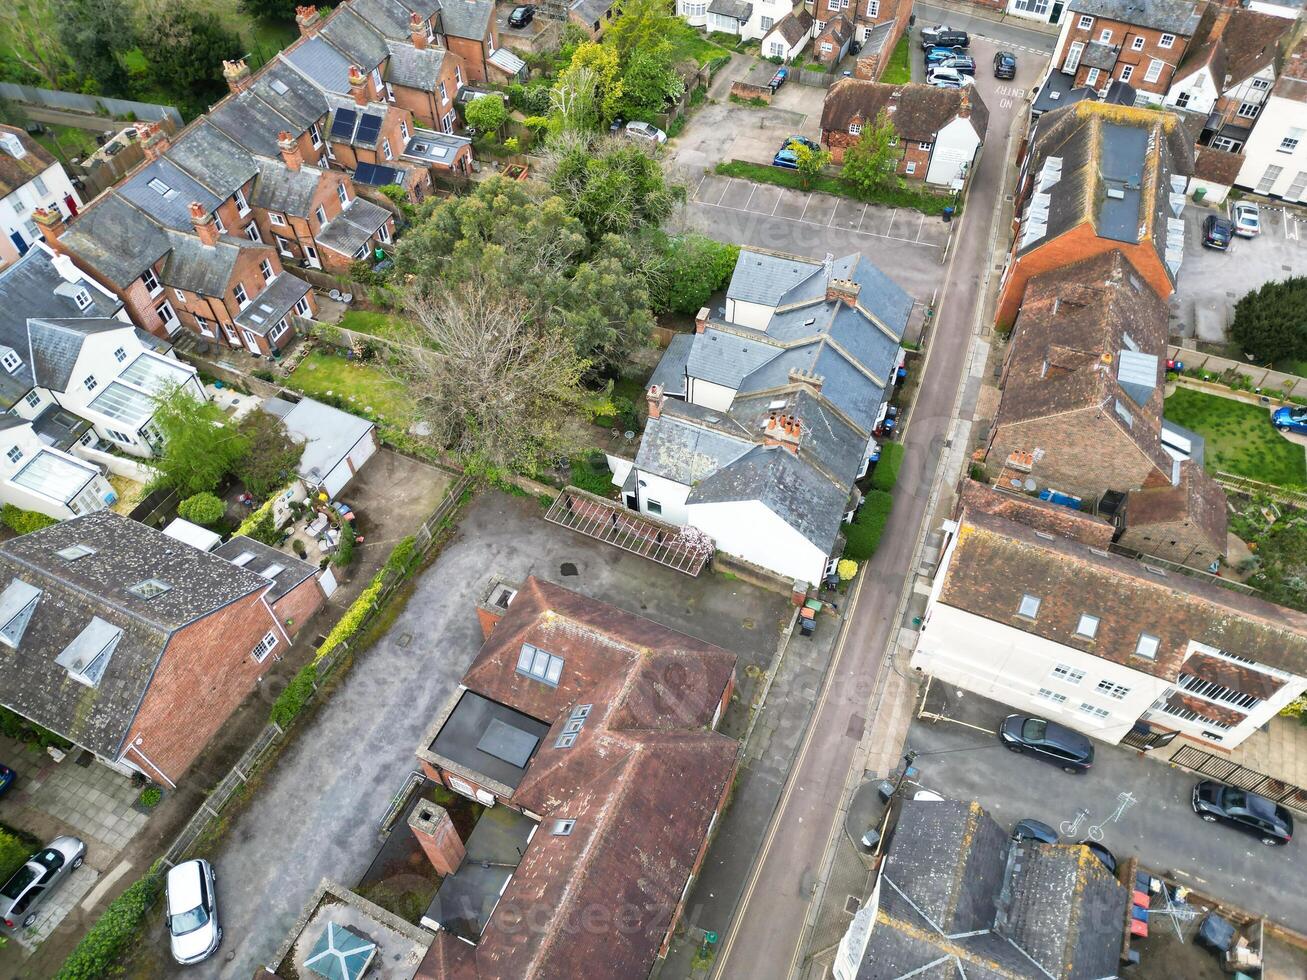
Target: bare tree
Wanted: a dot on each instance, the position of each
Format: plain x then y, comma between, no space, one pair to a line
489,381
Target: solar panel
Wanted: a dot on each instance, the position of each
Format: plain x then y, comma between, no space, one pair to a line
369,129
342,127
365,173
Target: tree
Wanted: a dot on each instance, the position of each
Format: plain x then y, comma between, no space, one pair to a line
491,383
201,445
273,455
32,38
203,508
641,24
282,10
604,305
1270,323
486,113
595,65
650,81
693,267
186,52
574,102
92,31
871,164
613,188
809,163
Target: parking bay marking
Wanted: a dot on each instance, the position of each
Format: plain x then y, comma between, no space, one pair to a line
818,224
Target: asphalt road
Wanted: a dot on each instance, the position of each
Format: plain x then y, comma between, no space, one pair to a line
1159,827
767,929
1008,33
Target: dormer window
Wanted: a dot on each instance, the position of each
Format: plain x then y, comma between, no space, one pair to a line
82,298
11,361
17,603
87,656
538,664
150,588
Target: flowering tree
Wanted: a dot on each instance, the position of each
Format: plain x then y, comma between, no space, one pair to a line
695,541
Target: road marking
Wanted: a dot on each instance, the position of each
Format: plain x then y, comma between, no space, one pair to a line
751,193
921,225
804,212
722,197
818,224
834,212
861,216
893,214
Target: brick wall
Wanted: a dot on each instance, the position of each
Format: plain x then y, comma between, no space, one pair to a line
204,674
913,160
473,56
297,606
1123,37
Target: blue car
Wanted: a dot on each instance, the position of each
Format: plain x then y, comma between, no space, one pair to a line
786,157
6,779
936,55
1291,419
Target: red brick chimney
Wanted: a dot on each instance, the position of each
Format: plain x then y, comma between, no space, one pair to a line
964,103
358,85
417,31
783,430
701,320
203,222
654,396
1221,12
237,74
308,19
154,139
290,150
493,605
51,223
843,289
435,832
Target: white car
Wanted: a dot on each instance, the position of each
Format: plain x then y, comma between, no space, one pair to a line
192,912
644,131
1247,220
948,78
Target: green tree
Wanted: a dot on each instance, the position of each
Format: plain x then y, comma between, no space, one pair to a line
273,455
809,163
649,81
615,189
92,32
201,445
641,25
693,267
186,52
596,64
486,114
604,305
871,164
1270,323
202,508
271,10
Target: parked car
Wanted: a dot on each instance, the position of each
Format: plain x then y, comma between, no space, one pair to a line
1247,220
1217,232
1291,419
813,145
1048,740
786,158
6,779
22,895
1265,819
935,55
1005,65
962,64
1106,857
521,16
1035,830
948,78
944,35
191,911
647,132
778,79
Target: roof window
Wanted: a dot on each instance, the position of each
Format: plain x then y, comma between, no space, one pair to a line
75,551
17,603
1147,646
1029,606
562,828
540,665
150,588
1087,628
87,656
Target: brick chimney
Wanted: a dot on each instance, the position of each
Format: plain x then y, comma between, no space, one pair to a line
1221,16
701,320
798,376
358,85
493,605
51,223
842,289
309,20
654,396
154,140
237,74
435,832
783,430
290,150
417,31
203,222
964,103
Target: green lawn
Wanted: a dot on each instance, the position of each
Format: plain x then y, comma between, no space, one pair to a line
764,174
899,69
67,142
359,387
378,324
688,44
1240,438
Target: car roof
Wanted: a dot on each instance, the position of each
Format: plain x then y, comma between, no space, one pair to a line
184,887
1068,738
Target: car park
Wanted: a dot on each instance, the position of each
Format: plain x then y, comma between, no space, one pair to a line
1217,232
935,55
1047,740
191,911
31,885
1005,65
1290,419
962,64
521,16
1247,220
1238,808
944,35
644,131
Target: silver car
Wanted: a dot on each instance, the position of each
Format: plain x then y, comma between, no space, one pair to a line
22,895
1247,220
192,911
644,131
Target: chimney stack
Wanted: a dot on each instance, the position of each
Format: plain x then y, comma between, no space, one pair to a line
434,830
308,20
842,289
203,222
783,430
237,74
417,31
1221,16
814,381
290,150
358,85
154,140
654,396
701,320
51,223
964,103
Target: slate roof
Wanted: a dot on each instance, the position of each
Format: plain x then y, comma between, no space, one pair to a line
1100,55
276,300
200,268
765,278
591,11
319,62
164,191
794,27
264,558
670,372
250,121
55,345
413,67
1197,500
279,188
17,171
642,782
116,238
735,9
388,17
996,561
213,158
98,585
466,18
685,451
354,38
283,88
350,230
1178,17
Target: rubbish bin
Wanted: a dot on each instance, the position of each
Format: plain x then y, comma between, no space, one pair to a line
949,211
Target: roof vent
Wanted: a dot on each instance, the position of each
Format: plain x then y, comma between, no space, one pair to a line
1116,193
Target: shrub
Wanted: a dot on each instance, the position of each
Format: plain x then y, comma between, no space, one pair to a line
401,556
886,473
104,944
14,852
846,569
150,797
349,624
202,508
345,548
16,726
292,700
24,521
862,537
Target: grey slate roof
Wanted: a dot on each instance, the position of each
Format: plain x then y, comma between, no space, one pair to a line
164,191
350,230
213,158
98,585
117,239
591,11
670,372
263,558
251,122
424,8
763,278
1099,55
55,345
735,9
279,188
200,268
286,91
466,18
389,17
686,452
319,62
354,38
413,68
726,358
272,304
1174,16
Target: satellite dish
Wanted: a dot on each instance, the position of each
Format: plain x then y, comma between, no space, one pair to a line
1030,484
1015,483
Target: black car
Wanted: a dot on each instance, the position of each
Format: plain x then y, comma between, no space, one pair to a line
944,36
1217,232
1035,830
1048,740
1005,65
1253,814
521,16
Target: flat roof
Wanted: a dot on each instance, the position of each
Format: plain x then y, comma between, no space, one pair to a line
489,738
466,899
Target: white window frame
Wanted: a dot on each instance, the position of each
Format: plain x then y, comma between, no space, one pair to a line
1154,72
238,293
1072,60
242,205
166,313
444,94
873,8
265,646
11,361
33,398
1086,23
321,215
219,224
855,129
1127,72
1066,673
539,665
342,194
403,129
1094,711
1091,77
1105,36
89,383
302,306
1137,44
925,147
385,149
1290,143
275,219
1249,110
252,232
278,330
315,135
15,455
1166,41
910,168
151,282
1115,691
266,270
1057,697
120,354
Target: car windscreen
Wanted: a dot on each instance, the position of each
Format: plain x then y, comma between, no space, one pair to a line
15,885
185,922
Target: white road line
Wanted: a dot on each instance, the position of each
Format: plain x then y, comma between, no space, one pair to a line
893,214
700,187
751,193
805,208
861,216
729,180
818,224
780,196
920,225
834,211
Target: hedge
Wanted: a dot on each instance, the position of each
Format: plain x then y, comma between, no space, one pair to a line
24,521
862,537
14,852
886,473
16,726
104,945
292,700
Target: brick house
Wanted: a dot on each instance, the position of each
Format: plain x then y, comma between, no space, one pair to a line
1099,178
832,41
595,727
1140,43
128,643
467,28
940,130
299,588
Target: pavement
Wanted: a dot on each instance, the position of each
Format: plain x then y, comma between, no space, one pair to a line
317,809
1158,826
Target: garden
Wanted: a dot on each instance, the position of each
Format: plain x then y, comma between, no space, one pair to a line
1240,438
353,385
1276,535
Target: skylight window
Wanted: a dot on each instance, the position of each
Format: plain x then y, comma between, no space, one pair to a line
1029,606
158,186
150,588
243,559
562,827
272,571
540,665
1147,646
1087,628
73,552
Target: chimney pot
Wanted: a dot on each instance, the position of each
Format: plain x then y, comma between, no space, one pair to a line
290,150
308,20
655,399
435,833
843,289
237,74
203,222
358,85
154,139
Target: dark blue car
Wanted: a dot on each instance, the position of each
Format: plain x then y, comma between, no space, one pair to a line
6,779
936,55
786,157
1291,419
